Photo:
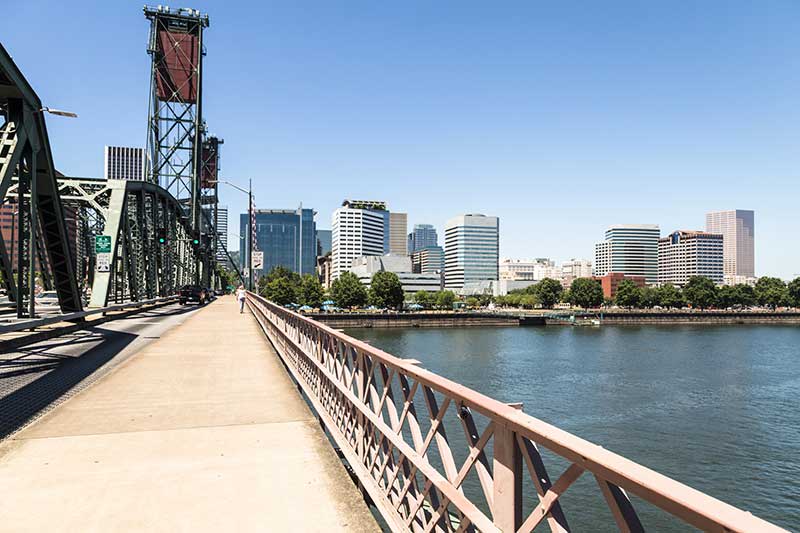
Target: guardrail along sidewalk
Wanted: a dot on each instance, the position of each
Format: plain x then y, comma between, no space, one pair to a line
394,422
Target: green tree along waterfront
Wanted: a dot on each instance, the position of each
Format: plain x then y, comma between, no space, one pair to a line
386,291
585,292
286,287
705,405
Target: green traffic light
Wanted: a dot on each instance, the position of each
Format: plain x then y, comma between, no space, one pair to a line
195,241
162,240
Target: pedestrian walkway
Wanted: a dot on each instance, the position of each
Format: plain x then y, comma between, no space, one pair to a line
202,430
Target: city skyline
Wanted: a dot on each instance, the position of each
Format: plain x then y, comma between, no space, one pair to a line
552,100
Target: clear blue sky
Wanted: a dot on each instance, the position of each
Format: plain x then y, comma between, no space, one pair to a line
560,118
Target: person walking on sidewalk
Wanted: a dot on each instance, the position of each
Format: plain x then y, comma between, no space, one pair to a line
240,295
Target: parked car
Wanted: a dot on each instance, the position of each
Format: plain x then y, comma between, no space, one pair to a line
194,293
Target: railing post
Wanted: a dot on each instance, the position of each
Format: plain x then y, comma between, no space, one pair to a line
507,506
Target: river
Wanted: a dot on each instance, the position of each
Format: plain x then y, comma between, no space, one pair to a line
715,407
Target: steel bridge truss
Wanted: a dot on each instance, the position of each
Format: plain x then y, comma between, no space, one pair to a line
133,214
41,235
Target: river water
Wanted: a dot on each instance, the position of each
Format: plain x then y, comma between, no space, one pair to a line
715,407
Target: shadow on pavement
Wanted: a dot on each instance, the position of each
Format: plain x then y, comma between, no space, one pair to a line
23,395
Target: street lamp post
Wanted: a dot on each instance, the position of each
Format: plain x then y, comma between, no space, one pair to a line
249,193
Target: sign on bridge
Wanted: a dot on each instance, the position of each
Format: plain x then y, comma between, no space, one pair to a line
102,244
258,260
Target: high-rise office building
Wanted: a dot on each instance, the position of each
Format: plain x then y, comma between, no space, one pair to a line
737,228
684,254
428,260
288,238
358,229
398,228
222,234
422,236
323,242
123,163
471,249
630,249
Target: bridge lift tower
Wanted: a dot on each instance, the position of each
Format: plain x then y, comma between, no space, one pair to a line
177,152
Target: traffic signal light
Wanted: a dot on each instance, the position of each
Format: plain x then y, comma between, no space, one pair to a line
161,235
195,241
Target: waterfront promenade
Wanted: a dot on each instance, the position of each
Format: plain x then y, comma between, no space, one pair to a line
201,430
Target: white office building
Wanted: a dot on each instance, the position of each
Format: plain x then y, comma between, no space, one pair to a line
529,269
630,249
737,228
576,268
471,249
400,265
357,229
684,254
123,163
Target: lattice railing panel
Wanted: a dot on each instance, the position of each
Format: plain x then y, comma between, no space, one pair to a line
436,456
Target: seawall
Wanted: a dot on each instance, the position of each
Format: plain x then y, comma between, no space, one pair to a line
699,317
421,320
612,318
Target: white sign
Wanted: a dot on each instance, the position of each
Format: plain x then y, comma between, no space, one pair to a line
258,260
103,263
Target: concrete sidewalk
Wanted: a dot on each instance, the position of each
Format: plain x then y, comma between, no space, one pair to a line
200,431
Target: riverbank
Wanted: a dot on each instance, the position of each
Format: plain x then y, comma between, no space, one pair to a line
507,318
421,320
620,317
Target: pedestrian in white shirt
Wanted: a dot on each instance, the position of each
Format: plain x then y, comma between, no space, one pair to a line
240,295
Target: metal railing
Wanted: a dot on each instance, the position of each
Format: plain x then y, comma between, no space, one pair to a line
23,325
415,472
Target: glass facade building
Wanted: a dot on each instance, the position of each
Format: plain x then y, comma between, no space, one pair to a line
288,238
422,236
324,237
630,249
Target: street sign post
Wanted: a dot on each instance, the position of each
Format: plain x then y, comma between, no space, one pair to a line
102,244
258,260
103,263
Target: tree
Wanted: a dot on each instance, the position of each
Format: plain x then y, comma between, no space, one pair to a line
548,292
423,298
347,291
281,291
445,299
670,296
586,292
386,291
649,298
628,294
473,302
771,292
528,301
282,272
700,292
311,292
739,295
227,277
794,292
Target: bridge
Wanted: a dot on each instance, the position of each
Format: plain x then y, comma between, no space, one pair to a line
120,409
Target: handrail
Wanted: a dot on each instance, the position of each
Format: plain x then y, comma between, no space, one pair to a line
367,399
39,322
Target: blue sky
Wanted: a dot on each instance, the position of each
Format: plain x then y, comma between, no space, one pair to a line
561,118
